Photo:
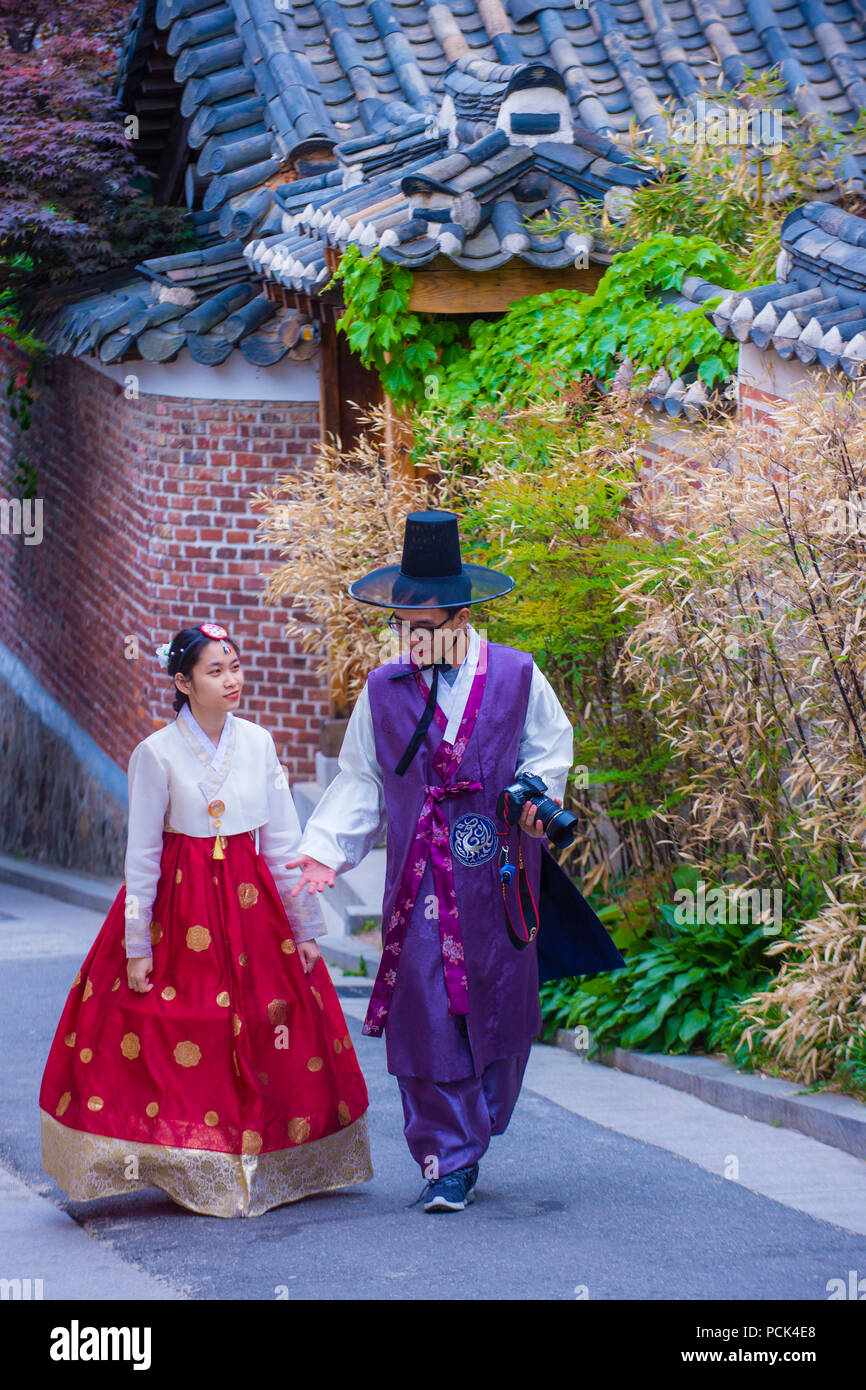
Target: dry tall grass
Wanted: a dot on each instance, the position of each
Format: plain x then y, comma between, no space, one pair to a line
750,648
332,523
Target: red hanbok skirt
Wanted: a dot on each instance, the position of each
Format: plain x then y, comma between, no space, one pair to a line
232,1084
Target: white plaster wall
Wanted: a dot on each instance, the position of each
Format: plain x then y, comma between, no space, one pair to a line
234,380
765,371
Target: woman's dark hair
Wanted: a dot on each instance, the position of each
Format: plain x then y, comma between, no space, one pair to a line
183,654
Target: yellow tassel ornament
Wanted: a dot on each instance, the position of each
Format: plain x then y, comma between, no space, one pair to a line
215,810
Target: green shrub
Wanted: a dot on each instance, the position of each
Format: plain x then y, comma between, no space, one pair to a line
674,995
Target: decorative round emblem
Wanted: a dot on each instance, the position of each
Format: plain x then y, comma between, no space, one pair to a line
216,808
278,1011
187,1054
212,630
298,1130
473,840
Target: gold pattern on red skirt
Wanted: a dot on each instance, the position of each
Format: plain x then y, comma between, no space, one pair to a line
248,894
212,1126
187,1054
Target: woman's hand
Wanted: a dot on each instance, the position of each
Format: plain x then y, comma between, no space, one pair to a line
309,953
137,970
314,875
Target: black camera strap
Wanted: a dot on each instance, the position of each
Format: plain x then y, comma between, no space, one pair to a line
527,927
426,718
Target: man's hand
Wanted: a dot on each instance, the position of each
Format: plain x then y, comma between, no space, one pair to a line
137,970
314,876
309,954
527,817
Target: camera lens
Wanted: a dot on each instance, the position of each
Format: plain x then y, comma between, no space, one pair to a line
559,825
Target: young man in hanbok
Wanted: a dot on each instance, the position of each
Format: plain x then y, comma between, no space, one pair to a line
434,737
202,1048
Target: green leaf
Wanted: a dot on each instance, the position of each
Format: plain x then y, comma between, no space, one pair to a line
712,370
681,982
391,302
639,1032
359,335
692,1023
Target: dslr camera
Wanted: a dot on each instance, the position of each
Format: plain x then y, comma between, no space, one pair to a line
558,823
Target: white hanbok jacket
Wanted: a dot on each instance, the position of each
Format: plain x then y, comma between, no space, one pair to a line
174,776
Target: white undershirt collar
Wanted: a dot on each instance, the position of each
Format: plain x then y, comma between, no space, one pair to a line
217,752
451,699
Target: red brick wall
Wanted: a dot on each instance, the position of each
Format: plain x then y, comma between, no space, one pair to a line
756,405
148,524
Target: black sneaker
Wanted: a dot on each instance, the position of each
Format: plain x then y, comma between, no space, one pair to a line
453,1192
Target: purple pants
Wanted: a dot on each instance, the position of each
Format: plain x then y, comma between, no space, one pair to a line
449,1123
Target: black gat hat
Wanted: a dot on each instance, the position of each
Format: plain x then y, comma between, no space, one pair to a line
431,572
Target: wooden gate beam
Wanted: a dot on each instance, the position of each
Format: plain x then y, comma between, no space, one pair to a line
449,289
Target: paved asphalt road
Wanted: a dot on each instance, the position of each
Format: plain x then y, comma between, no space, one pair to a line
563,1204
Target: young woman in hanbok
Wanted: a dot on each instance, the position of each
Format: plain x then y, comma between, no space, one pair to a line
202,1049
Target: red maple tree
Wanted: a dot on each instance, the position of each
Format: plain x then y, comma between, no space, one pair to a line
73,198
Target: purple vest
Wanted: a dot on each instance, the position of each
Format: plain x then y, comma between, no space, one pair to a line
429,1032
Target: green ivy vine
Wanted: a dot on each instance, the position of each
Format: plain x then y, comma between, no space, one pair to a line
545,342
409,351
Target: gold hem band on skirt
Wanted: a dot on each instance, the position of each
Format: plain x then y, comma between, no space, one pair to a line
88,1166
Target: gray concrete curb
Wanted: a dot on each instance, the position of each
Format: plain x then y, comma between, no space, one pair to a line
837,1120
55,1258
833,1119
346,952
67,885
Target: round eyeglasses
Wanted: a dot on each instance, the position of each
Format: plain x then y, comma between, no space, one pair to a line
396,625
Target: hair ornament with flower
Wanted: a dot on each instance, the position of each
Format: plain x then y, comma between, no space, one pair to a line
218,634
212,630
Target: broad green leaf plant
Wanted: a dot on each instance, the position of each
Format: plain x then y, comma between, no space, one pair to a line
543,343
401,346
